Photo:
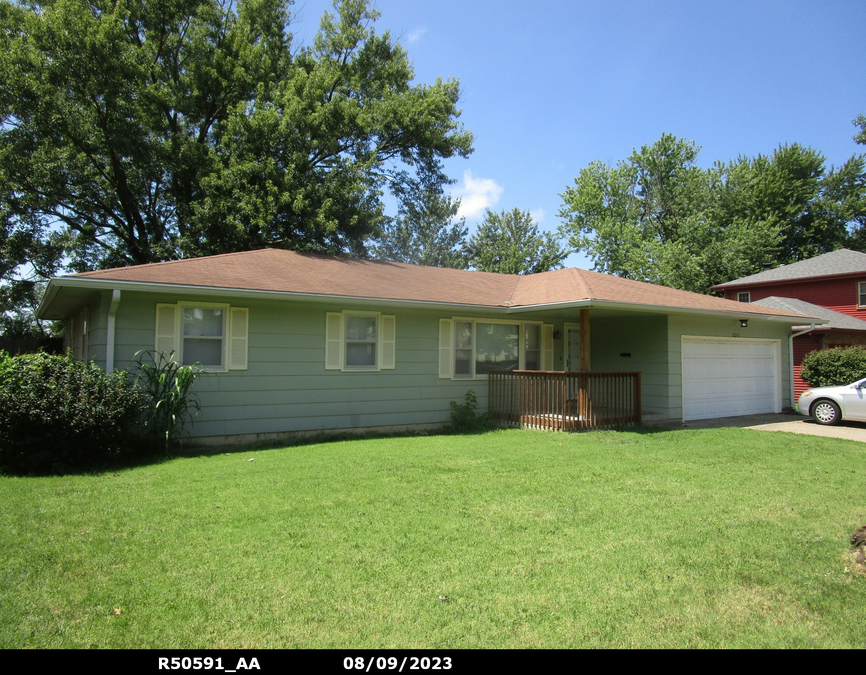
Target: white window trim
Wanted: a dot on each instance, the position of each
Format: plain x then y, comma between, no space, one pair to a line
224,350
860,293
747,294
521,341
381,362
377,350
172,340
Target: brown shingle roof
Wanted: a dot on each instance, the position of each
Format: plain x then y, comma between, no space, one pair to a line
313,274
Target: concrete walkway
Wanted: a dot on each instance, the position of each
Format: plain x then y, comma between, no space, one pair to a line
797,424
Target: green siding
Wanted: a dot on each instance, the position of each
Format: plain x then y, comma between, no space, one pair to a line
286,387
689,325
645,338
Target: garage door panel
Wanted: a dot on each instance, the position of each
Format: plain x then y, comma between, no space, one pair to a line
728,377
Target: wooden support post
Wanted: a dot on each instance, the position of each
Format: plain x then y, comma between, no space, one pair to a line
584,340
583,404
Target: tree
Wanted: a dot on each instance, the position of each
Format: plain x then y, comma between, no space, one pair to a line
510,243
860,121
627,217
425,232
147,131
659,217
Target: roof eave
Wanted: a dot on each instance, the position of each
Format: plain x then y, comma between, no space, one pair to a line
665,309
54,286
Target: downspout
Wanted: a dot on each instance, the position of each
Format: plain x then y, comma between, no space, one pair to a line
109,344
791,357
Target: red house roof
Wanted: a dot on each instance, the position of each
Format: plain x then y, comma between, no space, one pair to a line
843,262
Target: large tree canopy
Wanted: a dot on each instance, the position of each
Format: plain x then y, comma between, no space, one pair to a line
509,242
426,230
144,131
659,217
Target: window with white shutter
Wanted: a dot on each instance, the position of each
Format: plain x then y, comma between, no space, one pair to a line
360,341
213,336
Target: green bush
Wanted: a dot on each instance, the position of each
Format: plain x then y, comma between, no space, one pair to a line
465,418
831,367
57,413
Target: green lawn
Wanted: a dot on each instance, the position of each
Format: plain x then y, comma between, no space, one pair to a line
683,538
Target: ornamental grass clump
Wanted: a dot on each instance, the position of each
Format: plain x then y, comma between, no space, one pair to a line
166,385
58,413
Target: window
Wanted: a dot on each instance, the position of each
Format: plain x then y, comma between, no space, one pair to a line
472,348
361,338
212,335
360,341
497,347
203,330
861,294
744,297
532,342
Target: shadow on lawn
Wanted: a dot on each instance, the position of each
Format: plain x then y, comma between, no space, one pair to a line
139,455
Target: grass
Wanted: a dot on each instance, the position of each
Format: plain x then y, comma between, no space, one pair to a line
681,538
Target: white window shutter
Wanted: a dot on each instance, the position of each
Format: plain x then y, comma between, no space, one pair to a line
333,341
239,321
446,358
167,330
547,347
387,342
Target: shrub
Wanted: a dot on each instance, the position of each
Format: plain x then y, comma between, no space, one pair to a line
166,385
831,367
57,413
465,418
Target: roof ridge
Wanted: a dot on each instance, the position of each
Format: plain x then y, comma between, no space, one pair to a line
580,282
517,279
178,260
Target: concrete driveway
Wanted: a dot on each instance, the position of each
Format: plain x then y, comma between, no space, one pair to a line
797,424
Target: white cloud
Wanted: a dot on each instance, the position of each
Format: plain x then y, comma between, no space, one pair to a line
476,194
415,35
537,215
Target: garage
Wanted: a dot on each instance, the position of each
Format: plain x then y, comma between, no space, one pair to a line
725,377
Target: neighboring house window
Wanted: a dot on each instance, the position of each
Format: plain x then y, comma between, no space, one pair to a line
472,348
211,335
861,294
744,297
362,341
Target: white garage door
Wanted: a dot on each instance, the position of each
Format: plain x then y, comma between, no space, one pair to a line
727,377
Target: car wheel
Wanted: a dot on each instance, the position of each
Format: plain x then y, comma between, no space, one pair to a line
826,412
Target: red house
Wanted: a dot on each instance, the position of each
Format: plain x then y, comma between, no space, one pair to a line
831,286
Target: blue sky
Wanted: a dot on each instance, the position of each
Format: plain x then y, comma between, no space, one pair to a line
549,86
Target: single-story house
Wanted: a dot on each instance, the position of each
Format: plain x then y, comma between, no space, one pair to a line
305,342
831,286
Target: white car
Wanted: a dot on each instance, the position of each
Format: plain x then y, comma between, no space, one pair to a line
830,405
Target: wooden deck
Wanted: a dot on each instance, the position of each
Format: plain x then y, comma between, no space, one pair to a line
564,401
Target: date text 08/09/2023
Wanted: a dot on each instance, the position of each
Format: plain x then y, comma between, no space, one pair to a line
350,663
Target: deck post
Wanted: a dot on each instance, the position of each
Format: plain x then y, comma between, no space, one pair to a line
583,404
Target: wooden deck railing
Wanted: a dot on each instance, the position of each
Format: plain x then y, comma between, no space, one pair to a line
564,401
